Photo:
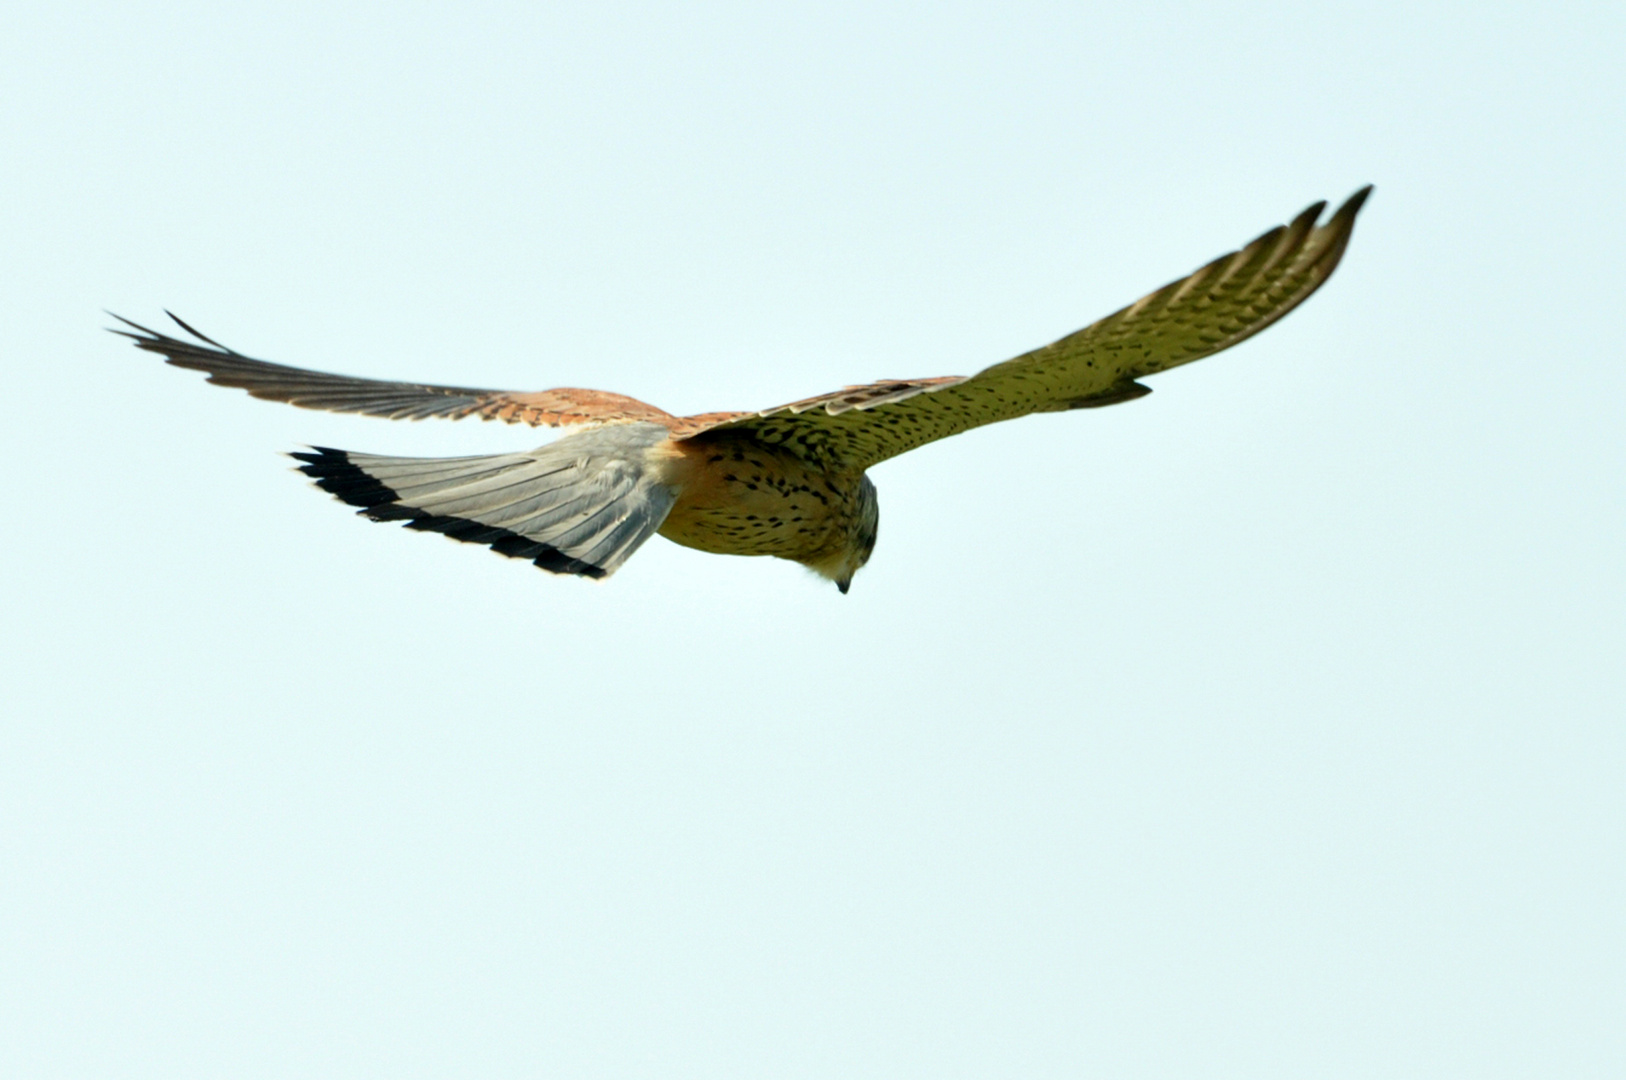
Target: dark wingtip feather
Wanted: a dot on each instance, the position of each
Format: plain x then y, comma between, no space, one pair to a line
198,334
138,338
1308,216
1359,197
186,354
1352,205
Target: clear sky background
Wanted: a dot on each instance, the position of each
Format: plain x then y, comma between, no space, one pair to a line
1272,726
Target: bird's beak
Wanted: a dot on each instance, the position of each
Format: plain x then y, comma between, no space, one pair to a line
844,584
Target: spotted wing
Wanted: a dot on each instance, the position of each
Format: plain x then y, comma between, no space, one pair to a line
378,397
1225,302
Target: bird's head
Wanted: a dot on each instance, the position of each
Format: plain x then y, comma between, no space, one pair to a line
857,544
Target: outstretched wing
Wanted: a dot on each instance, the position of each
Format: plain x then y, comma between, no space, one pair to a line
1227,301
378,397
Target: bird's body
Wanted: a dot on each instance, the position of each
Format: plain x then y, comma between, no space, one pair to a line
789,481
737,496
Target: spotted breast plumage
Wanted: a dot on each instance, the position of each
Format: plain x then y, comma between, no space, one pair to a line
787,481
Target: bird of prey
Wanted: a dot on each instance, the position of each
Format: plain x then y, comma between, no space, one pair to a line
787,481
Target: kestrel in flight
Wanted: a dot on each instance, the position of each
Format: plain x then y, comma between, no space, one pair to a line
787,481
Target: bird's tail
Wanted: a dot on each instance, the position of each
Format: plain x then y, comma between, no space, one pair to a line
580,505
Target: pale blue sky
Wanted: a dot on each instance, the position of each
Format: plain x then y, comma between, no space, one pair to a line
1271,726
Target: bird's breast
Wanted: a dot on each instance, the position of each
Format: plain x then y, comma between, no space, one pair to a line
739,497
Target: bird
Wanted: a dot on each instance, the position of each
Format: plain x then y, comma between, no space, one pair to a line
788,481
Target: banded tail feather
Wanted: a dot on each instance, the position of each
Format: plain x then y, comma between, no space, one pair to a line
581,505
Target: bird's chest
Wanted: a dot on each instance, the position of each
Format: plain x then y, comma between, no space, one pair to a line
737,497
